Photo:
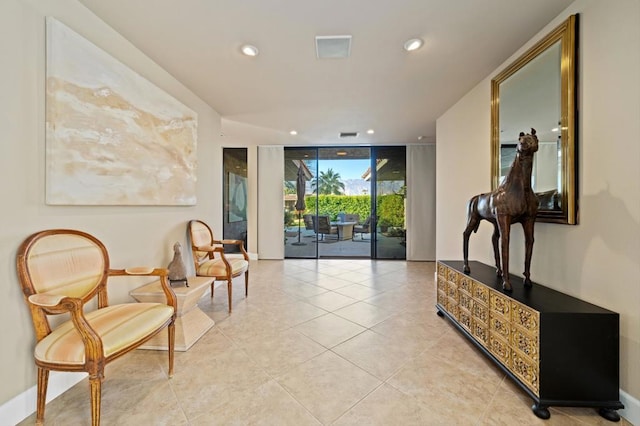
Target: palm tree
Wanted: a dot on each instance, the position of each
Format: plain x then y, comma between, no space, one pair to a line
289,187
328,183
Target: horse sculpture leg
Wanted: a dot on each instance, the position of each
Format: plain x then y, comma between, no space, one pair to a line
527,226
496,250
473,221
465,246
504,225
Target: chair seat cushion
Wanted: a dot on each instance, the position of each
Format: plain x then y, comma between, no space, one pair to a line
217,268
119,326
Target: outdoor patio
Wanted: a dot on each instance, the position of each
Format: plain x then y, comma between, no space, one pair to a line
330,246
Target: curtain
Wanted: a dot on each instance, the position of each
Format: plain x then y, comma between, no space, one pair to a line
270,202
421,196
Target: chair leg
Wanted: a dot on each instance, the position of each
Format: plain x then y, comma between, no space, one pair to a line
43,381
212,287
172,344
95,385
246,283
229,289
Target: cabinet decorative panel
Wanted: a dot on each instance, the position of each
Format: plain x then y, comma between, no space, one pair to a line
559,349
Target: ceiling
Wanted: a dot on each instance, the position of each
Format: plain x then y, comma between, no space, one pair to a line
380,86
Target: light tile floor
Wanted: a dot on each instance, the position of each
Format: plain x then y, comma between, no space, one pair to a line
342,342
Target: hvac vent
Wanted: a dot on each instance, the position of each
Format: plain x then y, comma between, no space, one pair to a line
348,134
333,46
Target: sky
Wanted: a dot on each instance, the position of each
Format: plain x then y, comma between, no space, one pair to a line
348,169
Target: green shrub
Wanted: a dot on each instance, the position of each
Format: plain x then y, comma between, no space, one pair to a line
333,204
289,217
391,210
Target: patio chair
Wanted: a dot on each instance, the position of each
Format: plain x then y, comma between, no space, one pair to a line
323,226
352,217
308,223
365,228
64,271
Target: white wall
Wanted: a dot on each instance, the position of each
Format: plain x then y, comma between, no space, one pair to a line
133,235
599,259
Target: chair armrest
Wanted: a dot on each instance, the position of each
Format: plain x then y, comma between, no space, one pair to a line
59,304
139,271
239,243
143,271
236,242
210,248
45,300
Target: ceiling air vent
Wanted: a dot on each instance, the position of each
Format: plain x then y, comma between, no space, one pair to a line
348,134
333,46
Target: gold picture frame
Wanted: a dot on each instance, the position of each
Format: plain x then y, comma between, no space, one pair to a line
539,91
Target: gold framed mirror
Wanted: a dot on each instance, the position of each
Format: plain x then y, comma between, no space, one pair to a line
538,91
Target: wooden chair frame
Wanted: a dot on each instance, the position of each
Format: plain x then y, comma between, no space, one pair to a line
43,304
213,250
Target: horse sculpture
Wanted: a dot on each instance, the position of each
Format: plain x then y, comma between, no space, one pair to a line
512,202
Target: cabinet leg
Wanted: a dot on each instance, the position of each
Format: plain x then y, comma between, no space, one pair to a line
541,411
440,314
609,414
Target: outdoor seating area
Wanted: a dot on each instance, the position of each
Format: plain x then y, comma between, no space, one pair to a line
331,246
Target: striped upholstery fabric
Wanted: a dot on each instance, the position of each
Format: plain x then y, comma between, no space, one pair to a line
217,268
118,326
65,264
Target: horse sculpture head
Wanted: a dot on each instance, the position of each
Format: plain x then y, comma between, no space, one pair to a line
527,143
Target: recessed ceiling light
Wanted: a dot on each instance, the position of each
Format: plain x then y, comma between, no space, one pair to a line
341,153
293,133
249,50
370,131
413,44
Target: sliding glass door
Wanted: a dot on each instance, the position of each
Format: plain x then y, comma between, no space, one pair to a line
390,202
344,191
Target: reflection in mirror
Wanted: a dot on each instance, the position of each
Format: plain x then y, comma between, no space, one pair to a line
537,91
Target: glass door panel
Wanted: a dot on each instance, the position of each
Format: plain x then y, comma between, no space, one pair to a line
390,202
343,200
234,224
300,167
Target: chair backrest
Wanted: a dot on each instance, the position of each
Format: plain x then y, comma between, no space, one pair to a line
308,221
201,235
352,217
324,225
62,262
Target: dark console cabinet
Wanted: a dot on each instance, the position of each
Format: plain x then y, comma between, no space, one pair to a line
561,350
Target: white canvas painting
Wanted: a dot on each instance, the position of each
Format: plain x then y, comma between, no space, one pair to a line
113,137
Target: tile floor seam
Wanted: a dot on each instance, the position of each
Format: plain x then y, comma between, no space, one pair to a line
490,403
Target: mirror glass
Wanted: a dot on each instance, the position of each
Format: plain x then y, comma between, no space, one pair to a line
537,91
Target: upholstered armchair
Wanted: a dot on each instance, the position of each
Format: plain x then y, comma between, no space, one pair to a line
364,228
210,259
323,226
61,271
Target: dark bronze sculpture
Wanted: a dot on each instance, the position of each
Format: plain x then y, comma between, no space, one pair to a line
512,202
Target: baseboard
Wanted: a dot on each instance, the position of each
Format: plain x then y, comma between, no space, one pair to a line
22,406
631,410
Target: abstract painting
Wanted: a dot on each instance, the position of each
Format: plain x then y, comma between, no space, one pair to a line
113,137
